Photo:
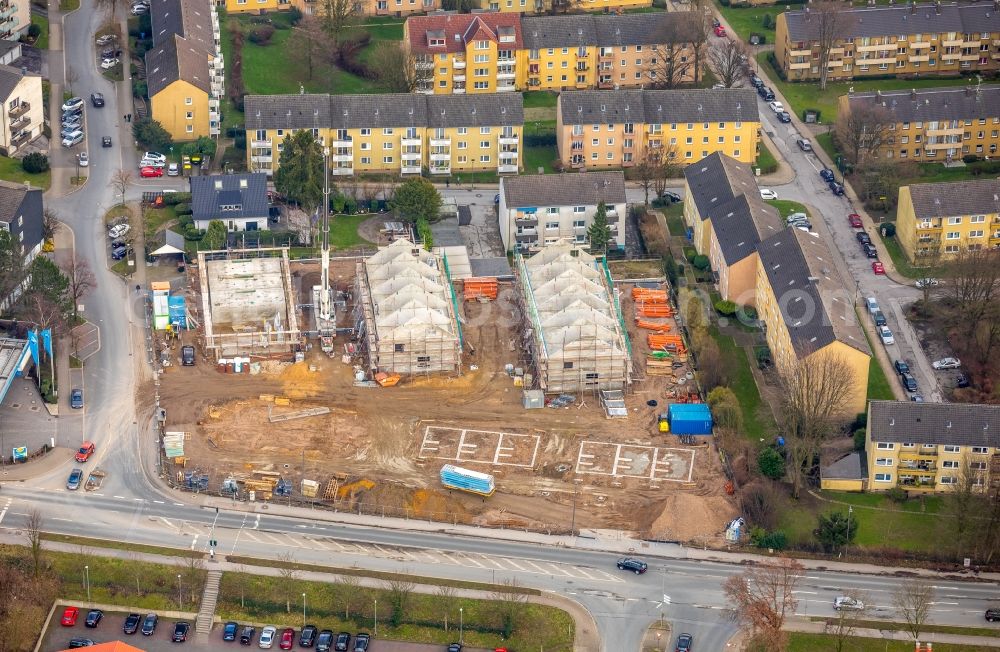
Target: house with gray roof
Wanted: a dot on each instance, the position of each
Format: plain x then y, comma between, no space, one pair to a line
21,214
941,220
21,114
932,447
238,200
538,210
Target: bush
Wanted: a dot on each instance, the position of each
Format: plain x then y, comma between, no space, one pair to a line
727,308
888,229
897,494
540,140
771,463
34,31
767,22
859,439
139,88
182,209
700,262
294,16
749,313
193,234
35,163
261,35
773,540
174,198
970,158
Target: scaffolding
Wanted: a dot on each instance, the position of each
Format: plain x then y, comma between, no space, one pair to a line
247,304
406,317
574,330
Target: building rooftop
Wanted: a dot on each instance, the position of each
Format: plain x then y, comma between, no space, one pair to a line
961,424
816,306
177,59
928,104
898,20
640,29
541,32
225,196
11,197
189,19
571,189
847,467
956,198
458,29
10,77
658,106
399,110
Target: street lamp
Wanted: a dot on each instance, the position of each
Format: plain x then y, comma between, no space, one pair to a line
850,510
180,599
376,618
461,625
86,574
303,609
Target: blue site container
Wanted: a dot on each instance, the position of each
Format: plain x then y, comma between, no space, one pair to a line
689,419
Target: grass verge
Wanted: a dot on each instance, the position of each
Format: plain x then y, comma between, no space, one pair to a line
69,5
402,615
747,20
675,219
121,545
799,642
540,156
742,382
766,161
11,170
901,263
878,383
42,43
786,207
901,627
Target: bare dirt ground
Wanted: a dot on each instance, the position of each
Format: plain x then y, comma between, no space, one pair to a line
373,447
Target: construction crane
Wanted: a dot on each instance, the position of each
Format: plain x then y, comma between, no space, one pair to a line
324,288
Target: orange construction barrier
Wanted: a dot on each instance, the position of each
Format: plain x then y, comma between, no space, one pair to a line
479,288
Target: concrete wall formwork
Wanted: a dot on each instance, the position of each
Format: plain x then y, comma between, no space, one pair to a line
575,333
407,312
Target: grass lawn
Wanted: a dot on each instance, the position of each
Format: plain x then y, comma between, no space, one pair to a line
766,161
878,383
756,422
786,207
157,217
420,618
10,170
745,20
344,231
825,140
798,642
675,219
539,156
43,39
121,545
540,99
807,95
69,5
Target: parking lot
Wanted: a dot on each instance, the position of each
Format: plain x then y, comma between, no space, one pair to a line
57,637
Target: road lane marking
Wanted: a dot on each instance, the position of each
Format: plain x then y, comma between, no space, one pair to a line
5,508
120,497
56,518
178,504
139,500
194,542
158,502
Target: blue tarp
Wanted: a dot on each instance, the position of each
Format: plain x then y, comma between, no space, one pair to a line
177,311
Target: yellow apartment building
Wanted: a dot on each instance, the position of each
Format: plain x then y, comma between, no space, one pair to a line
546,6
932,447
807,309
486,53
728,220
185,70
596,130
905,39
398,8
934,124
941,219
392,134
15,19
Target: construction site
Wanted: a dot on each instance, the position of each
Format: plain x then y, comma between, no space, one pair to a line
425,373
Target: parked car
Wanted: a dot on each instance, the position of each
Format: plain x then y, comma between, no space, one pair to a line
901,367
229,631
106,141
886,335
756,81
917,398
80,642
74,120
82,455
672,197
637,566
138,10
862,237
307,638
70,614
149,625
684,642
854,220
187,360
946,363
94,616
246,636
361,642
131,623
97,99
871,303
455,647
847,602
961,381
76,398
73,104
118,253
154,156
108,64
927,283
173,170
870,250
765,93
83,159
149,172
324,641
181,630
118,230
993,614
785,117
804,145
836,188
878,268
287,639
878,318
105,39
909,382
342,643
826,174
266,639
767,193
776,106
72,139
73,482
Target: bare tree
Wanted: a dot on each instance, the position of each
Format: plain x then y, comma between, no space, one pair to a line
397,69
70,76
42,310
672,59
973,287
815,394
312,42
81,281
699,30
446,598
349,584
726,61
763,596
863,131
510,601
50,223
336,16
845,621
964,504
400,591
829,21
193,567
33,530
120,182
239,580
913,601
288,574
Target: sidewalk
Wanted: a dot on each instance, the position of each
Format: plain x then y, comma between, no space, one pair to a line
817,627
587,637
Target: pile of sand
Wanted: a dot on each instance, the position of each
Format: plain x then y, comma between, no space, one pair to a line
686,517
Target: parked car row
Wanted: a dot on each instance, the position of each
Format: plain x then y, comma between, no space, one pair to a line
310,636
765,93
71,123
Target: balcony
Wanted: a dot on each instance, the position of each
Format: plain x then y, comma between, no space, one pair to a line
526,238
605,84
459,76
508,140
427,65
440,157
576,164
508,61
505,74
956,43
799,66
261,159
456,91
19,123
920,44
409,169
954,56
20,137
342,171
928,229
582,67
260,143
949,131
19,110
341,158
919,58
336,142
506,88
459,64
506,169
440,169
835,52
918,455
527,220
606,57
582,85
410,142
8,11
933,147
803,53
440,142
876,62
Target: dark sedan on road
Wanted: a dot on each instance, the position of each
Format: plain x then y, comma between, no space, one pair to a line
826,174
784,116
836,188
637,566
684,642
76,399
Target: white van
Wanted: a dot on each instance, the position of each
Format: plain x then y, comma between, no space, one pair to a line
74,138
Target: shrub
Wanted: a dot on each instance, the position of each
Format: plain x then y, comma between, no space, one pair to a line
294,15
897,494
724,307
773,540
888,229
540,140
749,313
174,198
859,439
182,209
261,35
700,262
34,31
139,88
771,463
970,158
35,163
767,22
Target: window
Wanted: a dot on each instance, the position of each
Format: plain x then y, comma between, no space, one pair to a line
398,348
366,147
883,461
482,45
423,358
188,101
462,131
952,235
190,129
387,159
690,126
948,479
579,209
462,144
951,449
481,85
977,466
387,131
977,219
883,477
366,132
722,139
980,450
949,464
976,234
736,153
611,142
484,131
579,224
484,144
595,142
954,220
567,365
366,160
884,446
552,226
552,210
387,145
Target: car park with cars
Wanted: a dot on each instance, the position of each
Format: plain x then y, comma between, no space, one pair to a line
324,642
776,106
836,188
361,642
826,174
342,643
287,639
69,616
149,624
267,635
909,382
307,637
75,643
150,172
74,138
246,636
181,630
73,104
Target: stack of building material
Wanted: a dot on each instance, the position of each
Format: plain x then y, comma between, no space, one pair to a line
474,289
661,342
173,445
455,477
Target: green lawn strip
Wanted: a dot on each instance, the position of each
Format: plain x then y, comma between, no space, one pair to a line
344,230
675,219
421,618
11,170
766,161
742,382
899,627
113,580
380,575
786,207
878,384
121,545
807,95
157,217
825,140
745,20
43,39
536,156
799,642
900,261
69,5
